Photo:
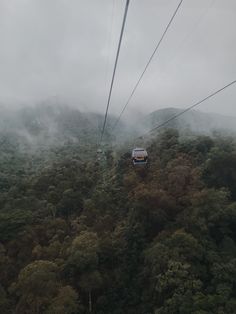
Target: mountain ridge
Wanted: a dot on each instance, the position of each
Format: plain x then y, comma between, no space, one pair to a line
195,120
54,125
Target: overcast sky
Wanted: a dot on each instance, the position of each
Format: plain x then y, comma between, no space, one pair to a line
65,49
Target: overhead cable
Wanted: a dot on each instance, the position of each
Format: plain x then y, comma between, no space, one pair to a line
115,66
148,63
189,108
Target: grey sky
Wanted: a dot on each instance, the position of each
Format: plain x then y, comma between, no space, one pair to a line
66,49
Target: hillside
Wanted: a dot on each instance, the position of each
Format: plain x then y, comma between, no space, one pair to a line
194,120
47,125
78,236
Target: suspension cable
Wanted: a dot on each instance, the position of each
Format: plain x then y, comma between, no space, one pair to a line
115,66
188,109
148,63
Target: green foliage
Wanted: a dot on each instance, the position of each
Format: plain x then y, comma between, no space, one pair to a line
220,170
65,302
78,237
37,284
11,223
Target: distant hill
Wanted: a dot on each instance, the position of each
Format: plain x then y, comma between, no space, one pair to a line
44,125
48,125
196,121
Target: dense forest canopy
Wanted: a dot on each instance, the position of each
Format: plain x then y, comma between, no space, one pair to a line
78,235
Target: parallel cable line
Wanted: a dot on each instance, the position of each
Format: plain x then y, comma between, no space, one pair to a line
109,43
148,63
188,109
115,66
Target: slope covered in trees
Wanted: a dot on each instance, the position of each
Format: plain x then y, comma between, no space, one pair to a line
79,236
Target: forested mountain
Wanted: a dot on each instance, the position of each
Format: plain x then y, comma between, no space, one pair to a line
194,120
54,125
49,125
81,236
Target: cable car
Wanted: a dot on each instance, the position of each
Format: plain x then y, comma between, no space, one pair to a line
139,156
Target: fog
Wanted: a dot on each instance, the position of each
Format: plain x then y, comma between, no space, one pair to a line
64,50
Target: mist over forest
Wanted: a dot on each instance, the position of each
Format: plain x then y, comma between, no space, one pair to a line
82,234
117,157
52,124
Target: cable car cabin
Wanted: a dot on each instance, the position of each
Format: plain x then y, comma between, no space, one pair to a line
139,156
